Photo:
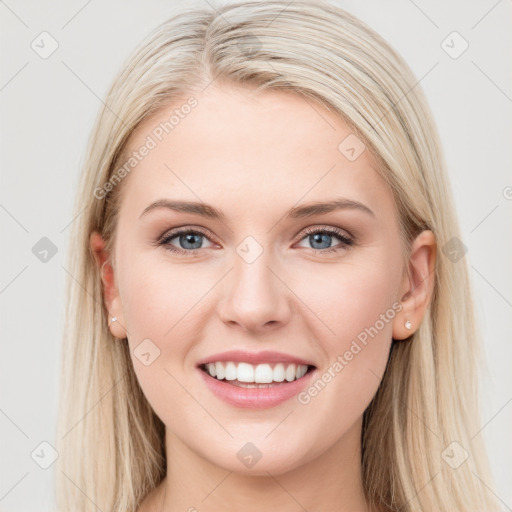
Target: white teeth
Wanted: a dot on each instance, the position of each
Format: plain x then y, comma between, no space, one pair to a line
289,374
245,372
260,374
220,371
263,374
230,371
301,371
279,372
211,369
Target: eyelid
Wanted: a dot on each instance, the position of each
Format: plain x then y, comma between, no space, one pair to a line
343,233
170,233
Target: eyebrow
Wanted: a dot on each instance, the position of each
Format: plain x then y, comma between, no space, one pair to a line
307,210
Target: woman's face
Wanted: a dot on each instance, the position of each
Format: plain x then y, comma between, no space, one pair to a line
272,278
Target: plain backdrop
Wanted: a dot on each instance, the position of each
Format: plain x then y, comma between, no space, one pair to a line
48,108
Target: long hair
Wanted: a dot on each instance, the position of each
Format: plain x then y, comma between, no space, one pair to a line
111,443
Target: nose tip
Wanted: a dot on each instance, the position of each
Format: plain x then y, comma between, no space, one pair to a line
254,297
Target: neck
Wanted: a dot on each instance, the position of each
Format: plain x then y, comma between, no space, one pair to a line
330,482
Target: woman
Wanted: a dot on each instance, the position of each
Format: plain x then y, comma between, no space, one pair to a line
312,348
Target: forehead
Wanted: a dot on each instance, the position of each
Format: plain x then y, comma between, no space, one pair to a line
253,150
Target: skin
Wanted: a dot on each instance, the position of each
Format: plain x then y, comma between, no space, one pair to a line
255,157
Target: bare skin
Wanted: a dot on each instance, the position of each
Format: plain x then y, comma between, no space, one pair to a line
255,158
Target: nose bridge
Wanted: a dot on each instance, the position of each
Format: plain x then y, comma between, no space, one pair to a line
252,279
254,295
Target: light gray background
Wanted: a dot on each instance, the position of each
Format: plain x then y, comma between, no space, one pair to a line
48,107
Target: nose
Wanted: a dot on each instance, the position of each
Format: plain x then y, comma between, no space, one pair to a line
255,296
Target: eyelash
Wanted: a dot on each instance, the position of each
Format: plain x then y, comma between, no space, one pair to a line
346,241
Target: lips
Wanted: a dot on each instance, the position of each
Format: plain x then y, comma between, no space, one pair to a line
262,379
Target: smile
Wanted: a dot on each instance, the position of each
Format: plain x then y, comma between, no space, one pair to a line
259,386
251,375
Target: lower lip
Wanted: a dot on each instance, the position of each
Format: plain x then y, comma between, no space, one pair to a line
255,397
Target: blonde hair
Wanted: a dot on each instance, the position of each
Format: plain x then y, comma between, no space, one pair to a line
111,443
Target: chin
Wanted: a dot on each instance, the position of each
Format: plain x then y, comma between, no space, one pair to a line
246,458
263,467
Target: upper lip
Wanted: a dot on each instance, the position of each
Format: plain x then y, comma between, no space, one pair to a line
265,356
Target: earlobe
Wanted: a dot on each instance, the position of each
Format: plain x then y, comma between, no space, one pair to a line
115,320
111,296
417,285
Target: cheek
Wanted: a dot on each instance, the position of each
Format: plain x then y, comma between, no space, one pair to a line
164,310
357,307
350,297
160,310
158,298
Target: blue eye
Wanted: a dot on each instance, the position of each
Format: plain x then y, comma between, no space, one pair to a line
190,240
187,238
322,235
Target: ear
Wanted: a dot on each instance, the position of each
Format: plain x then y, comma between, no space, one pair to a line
417,285
110,291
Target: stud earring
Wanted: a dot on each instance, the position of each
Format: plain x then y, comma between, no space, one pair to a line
408,324
114,319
